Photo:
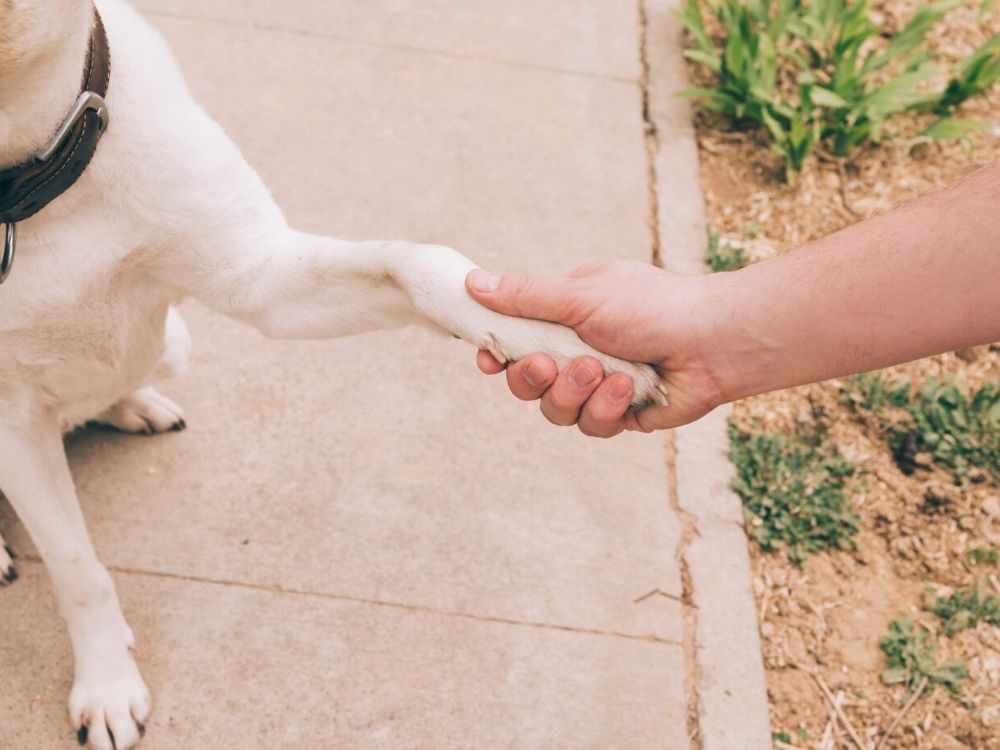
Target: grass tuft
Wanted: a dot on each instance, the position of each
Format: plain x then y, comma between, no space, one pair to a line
940,423
793,491
966,608
825,74
912,655
723,256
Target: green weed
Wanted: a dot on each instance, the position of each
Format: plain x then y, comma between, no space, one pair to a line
966,608
724,257
940,423
871,391
823,73
980,554
960,432
977,73
793,491
912,655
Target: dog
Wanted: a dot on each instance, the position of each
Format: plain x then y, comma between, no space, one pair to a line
162,208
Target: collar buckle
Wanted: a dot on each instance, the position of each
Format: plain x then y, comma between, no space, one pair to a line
88,101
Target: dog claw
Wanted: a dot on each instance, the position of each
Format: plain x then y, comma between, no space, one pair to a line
179,425
10,552
81,735
10,575
141,727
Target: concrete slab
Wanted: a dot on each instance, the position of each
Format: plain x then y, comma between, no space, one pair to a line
598,38
236,667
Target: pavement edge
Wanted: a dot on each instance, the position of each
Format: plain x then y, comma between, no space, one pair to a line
731,691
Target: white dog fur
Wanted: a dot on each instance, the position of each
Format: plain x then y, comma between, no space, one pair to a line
167,208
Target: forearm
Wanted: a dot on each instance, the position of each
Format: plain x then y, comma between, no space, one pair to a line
916,281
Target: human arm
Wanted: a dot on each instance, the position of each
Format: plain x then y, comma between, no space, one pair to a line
918,280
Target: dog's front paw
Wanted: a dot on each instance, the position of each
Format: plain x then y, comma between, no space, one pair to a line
109,703
145,411
434,276
509,339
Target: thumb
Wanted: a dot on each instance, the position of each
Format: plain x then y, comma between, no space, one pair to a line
542,298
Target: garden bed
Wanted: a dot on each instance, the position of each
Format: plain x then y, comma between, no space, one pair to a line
926,520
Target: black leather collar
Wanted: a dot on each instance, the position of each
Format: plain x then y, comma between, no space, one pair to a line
27,188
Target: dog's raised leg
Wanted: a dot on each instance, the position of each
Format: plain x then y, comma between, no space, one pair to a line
294,285
108,699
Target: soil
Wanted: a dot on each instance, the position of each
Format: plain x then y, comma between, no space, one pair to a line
821,624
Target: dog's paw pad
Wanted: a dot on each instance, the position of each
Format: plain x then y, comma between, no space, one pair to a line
145,411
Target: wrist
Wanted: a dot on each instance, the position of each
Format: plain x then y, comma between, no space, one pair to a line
737,353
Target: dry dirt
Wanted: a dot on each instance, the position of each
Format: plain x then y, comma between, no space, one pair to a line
821,624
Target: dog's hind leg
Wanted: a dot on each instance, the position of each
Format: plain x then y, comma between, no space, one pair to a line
109,701
146,410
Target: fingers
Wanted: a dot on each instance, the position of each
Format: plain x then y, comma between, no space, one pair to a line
562,402
527,379
579,395
604,413
530,377
523,296
487,363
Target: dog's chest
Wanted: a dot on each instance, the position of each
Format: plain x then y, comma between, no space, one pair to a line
85,338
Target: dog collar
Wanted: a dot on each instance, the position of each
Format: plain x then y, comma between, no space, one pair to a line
27,188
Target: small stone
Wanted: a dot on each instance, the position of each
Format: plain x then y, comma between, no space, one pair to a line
795,647
967,522
766,630
991,507
831,180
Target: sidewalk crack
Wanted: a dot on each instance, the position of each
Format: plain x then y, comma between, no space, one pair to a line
689,523
692,668
369,601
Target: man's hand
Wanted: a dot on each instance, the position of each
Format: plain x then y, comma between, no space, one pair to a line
628,309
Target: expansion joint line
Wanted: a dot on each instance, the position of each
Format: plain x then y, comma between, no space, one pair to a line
689,640
651,136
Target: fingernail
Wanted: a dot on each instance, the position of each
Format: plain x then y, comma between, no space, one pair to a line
620,388
533,377
484,281
582,375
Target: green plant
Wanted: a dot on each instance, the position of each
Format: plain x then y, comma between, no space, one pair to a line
793,491
912,656
966,608
871,391
723,256
940,421
959,432
822,72
989,554
973,76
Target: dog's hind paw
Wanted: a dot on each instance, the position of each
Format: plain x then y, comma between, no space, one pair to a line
8,573
146,411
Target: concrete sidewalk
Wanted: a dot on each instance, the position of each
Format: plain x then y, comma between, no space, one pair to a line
363,543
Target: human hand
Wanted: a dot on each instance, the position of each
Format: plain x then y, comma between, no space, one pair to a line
627,309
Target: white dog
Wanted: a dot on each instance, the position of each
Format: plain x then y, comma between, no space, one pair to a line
166,208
